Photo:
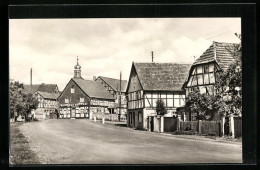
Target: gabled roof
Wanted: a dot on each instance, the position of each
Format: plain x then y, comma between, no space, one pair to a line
47,95
93,88
221,52
161,76
50,88
27,88
115,83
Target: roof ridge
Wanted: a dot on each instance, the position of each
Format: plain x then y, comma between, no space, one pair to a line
111,78
223,42
162,63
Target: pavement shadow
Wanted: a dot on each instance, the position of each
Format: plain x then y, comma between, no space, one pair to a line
121,125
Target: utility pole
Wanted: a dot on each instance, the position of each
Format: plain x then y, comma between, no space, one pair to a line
31,79
120,97
152,56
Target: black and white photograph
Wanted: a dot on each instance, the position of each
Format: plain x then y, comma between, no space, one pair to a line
125,90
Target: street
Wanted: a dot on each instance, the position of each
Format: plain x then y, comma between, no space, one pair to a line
82,141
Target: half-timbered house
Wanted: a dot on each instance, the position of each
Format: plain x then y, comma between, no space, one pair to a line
204,71
82,98
113,87
149,82
47,105
47,95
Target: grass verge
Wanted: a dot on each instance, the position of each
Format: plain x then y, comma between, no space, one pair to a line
20,152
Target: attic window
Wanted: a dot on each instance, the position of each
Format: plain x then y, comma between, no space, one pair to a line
72,90
81,99
134,79
206,69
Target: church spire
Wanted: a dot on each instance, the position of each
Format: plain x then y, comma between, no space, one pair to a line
77,70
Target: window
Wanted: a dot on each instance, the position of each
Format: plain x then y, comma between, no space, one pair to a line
200,80
81,99
206,69
169,102
206,78
211,78
72,90
211,67
134,79
179,100
199,69
154,102
66,100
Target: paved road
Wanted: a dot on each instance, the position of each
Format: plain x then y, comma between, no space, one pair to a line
85,142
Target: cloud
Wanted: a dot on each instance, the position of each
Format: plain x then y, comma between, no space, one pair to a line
107,46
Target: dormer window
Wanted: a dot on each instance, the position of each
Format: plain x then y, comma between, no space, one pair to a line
66,100
72,90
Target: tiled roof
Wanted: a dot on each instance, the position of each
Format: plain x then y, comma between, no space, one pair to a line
27,88
47,95
115,83
162,76
40,87
47,88
220,52
93,88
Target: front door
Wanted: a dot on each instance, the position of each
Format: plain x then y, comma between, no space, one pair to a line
152,119
134,119
73,112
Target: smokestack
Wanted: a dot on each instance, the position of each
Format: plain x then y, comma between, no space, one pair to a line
94,78
152,56
31,79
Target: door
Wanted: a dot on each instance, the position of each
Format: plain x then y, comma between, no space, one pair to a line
73,112
134,118
226,126
152,128
170,124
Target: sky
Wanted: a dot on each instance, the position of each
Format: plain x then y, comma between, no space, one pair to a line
107,46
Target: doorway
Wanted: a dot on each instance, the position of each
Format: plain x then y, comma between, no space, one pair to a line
152,124
73,113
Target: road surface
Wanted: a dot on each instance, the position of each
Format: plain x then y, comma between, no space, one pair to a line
82,141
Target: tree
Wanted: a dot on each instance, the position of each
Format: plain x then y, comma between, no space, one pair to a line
160,107
227,98
229,85
19,101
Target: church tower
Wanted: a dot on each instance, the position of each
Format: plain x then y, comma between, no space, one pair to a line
77,70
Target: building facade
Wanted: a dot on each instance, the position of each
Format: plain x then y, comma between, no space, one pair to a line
113,87
204,71
83,98
149,82
47,105
47,95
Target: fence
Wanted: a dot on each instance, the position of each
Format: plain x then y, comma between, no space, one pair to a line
202,127
237,127
188,125
210,128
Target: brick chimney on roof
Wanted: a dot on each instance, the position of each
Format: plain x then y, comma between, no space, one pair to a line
94,78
